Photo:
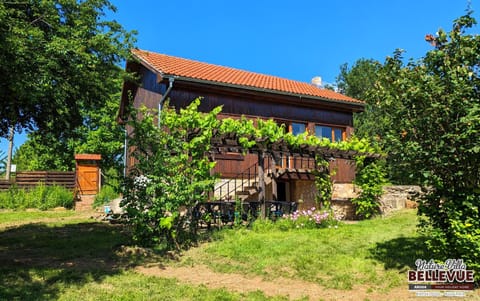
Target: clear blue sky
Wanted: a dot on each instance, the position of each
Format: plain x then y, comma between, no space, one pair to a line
291,39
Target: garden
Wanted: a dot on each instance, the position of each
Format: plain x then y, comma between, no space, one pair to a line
66,255
421,126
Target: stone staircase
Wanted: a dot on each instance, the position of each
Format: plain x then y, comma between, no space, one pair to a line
230,189
242,187
84,202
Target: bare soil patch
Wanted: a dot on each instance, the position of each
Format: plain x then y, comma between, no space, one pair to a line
293,288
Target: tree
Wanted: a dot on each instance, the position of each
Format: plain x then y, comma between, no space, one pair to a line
59,73
101,134
359,81
363,81
172,172
58,59
434,136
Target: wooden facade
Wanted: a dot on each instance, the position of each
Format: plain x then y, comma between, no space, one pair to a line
284,108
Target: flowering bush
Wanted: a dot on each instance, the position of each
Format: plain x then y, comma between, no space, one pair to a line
141,182
309,219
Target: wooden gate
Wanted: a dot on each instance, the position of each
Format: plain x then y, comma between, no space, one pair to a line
88,179
88,173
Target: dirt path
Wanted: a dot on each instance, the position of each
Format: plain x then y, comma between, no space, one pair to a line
294,289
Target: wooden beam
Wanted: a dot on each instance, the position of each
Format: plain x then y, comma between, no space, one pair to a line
273,171
261,185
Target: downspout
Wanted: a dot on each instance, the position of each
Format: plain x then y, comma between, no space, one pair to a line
162,100
125,152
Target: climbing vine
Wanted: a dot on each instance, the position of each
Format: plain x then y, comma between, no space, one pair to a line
323,183
370,177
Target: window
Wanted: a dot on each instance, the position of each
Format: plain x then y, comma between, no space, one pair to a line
298,128
332,133
337,134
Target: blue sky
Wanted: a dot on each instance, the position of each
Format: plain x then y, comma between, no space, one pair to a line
291,39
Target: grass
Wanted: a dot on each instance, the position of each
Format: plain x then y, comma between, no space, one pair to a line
375,252
52,255
132,286
41,197
7,217
49,255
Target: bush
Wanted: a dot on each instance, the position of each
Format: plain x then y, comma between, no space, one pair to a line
263,225
309,219
106,194
304,219
370,178
41,197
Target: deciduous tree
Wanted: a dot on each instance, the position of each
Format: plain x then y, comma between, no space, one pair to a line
434,135
59,69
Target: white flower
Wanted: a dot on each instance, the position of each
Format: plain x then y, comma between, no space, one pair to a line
141,182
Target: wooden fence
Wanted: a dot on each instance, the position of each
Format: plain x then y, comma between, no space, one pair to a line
29,179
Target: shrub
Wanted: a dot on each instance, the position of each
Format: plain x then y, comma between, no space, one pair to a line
309,219
304,219
263,225
106,194
370,178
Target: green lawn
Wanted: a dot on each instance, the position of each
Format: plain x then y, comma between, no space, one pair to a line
58,256
376,252
30,216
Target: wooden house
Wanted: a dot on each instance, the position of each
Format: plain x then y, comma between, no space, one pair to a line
300,106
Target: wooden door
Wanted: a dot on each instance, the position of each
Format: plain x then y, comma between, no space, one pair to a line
87,179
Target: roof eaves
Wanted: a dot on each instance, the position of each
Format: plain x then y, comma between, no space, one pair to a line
148,65
257,89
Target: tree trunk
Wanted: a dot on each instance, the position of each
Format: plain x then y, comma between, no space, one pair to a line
10,151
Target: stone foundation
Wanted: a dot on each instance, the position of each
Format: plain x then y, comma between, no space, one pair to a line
395,197
399,197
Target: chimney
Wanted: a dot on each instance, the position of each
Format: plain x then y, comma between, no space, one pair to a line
317,82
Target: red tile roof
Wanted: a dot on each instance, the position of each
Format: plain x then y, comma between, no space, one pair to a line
170,65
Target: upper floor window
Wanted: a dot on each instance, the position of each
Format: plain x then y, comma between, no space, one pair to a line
332,133
298,128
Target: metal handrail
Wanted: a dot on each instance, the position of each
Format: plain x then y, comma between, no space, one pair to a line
248,176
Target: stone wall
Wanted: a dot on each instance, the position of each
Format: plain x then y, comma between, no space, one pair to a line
399,197
395,197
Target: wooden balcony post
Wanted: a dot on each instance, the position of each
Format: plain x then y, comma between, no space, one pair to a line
273,170
261,184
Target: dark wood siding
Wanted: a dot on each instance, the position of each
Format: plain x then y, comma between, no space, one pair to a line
344,170
147,98
265,108
230,165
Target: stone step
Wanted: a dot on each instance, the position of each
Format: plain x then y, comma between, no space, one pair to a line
85,203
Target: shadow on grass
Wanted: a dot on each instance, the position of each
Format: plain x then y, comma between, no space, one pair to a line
399,253
38,261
